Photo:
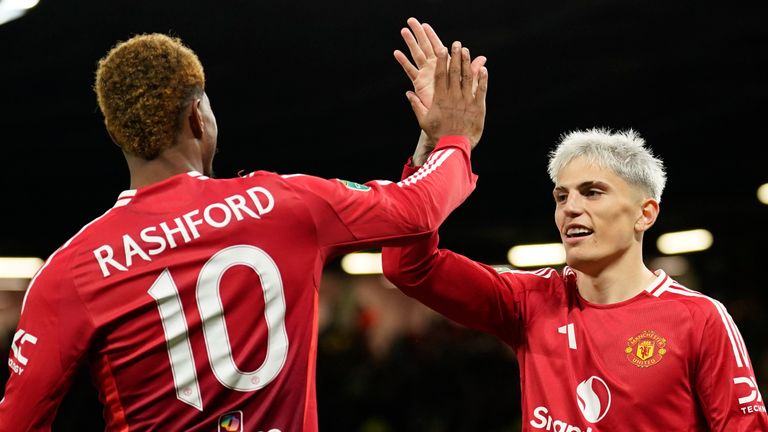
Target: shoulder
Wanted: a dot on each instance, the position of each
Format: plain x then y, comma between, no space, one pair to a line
697,302
540,279
703,309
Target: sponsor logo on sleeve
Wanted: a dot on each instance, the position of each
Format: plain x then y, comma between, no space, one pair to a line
646,349
749,395
355,186
18,361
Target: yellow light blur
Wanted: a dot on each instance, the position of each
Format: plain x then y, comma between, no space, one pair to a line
762,194
362,263
537,255
684,241
19,268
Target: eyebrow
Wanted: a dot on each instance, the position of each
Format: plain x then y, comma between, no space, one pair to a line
585,185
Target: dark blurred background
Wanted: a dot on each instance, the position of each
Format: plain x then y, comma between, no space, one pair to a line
313,87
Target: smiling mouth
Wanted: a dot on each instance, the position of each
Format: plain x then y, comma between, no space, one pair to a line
578,232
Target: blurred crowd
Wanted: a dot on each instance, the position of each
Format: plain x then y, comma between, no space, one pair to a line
387,363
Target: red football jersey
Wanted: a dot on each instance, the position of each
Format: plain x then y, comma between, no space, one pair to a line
194,300
669,359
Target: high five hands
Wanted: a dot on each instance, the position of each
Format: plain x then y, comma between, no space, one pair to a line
449,91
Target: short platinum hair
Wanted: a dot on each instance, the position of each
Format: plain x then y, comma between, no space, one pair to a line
622,152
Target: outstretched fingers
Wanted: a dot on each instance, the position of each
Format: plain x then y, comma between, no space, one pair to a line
482,87
410,70
433,38
454,69
467,78
441,74
424,43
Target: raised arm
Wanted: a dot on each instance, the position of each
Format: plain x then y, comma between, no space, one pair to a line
423,44
379,211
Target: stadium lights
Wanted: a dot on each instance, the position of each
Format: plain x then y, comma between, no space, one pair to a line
537,255
762,194
19,268
362,263
684,241
12,9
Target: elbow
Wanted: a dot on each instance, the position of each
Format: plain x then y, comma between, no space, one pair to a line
396,271
390,265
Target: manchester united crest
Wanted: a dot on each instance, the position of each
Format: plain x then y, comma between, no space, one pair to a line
646,349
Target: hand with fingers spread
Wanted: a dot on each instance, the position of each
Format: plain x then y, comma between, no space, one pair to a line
458,105
424,44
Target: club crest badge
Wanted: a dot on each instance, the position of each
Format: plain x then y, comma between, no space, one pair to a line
646,349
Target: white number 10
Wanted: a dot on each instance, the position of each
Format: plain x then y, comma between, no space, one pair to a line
217,344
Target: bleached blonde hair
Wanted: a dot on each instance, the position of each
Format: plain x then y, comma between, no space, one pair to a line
623,152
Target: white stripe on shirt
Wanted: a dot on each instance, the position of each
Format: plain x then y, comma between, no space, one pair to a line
723,316
432,164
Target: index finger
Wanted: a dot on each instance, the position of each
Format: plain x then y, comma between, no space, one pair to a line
432,36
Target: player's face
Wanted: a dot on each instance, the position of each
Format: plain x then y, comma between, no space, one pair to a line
596,212
211,133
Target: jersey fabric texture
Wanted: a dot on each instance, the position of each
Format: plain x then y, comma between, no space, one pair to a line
194,300
668,359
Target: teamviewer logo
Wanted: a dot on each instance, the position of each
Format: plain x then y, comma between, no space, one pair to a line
231,422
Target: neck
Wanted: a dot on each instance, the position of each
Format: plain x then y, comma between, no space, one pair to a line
169,163
615,283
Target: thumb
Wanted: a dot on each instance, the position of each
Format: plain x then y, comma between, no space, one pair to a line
418,107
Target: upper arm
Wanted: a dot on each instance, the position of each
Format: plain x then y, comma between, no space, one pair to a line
725,378
51,338
379,212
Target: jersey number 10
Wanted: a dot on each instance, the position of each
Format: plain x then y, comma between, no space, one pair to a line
217,345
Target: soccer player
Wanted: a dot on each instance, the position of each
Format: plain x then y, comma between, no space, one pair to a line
607,344
193,299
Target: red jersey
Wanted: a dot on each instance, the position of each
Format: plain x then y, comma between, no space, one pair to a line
194,300
668,359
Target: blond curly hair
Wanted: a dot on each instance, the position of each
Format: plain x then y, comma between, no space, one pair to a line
143,86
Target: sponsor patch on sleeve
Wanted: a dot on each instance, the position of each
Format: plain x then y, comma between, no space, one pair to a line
354,186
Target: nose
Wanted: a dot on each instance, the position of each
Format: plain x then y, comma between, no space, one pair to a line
573,205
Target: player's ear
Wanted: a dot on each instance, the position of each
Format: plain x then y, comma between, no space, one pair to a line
649,211
195,118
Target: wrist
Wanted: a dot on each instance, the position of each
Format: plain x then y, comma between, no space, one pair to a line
423,149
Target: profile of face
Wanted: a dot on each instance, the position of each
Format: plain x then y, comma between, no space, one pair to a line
210,133
600,216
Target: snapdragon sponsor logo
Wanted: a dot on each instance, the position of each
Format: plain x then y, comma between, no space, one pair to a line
542,420
594,400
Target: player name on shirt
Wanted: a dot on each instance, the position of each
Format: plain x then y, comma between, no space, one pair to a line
254,203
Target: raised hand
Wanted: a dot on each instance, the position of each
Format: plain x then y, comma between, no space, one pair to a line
458,105
424,44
